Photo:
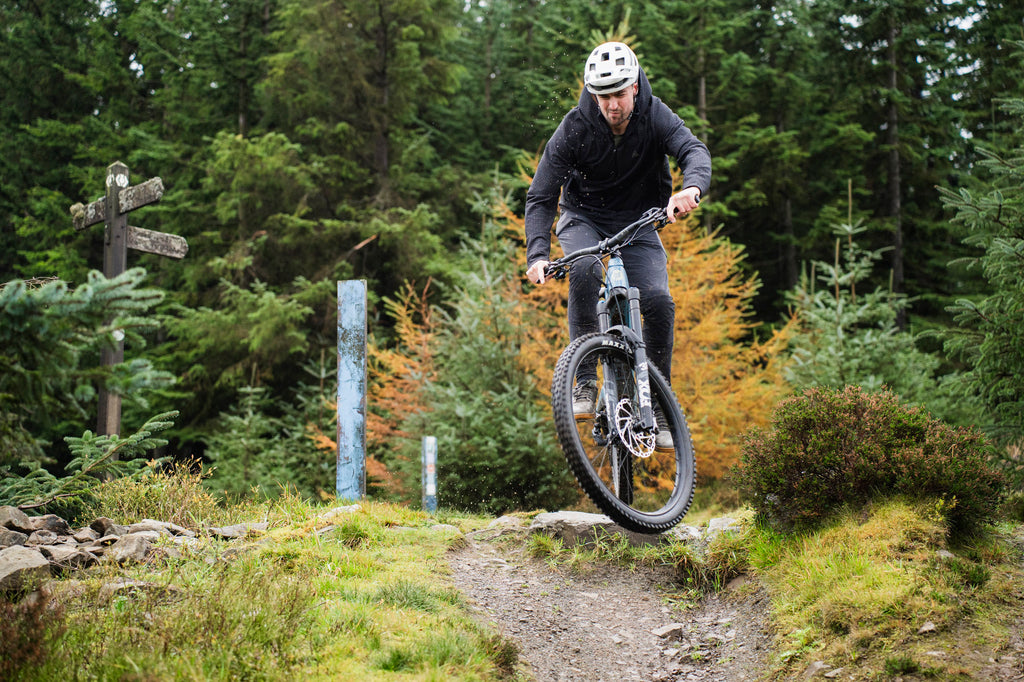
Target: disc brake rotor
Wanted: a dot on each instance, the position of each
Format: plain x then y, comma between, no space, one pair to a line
627,424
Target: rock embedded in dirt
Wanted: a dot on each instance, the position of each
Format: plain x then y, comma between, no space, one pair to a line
238,531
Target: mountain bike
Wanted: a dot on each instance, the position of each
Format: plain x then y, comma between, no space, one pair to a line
612,451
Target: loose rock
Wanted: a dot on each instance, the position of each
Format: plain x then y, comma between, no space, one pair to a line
35,547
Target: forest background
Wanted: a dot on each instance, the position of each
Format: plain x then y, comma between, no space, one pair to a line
863,225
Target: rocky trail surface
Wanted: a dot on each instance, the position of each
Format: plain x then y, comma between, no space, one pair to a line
608,623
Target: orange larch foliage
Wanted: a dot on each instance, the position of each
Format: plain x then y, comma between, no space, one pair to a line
397,374
725,381
542,311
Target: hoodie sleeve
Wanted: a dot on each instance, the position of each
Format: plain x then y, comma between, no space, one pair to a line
553,170
692,155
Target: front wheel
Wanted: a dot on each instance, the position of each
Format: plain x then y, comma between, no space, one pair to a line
640,487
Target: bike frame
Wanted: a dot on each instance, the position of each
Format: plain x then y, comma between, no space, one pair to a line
618,295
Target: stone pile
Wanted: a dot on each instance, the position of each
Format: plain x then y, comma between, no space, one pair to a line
33,548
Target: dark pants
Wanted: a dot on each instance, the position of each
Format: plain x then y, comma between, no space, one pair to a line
647,268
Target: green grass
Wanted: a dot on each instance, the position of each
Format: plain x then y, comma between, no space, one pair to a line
367,600
857,593
370,598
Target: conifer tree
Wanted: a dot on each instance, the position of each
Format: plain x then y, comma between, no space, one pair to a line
50,337
496,445
989,332
847,334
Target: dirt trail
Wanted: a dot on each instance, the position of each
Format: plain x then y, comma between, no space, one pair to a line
607,624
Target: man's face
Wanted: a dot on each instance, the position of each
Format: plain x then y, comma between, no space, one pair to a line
617,107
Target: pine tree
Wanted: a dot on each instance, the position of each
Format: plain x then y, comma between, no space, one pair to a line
989,332
847,334
496,445
50,336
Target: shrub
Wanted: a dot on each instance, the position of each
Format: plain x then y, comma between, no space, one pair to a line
830,448
29,631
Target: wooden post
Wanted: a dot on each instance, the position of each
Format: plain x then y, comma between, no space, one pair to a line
115,262
351,471
430,474
112,209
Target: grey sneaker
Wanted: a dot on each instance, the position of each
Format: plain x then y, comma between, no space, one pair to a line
584,399
663,439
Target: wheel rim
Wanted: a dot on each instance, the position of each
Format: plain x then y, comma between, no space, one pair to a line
608,437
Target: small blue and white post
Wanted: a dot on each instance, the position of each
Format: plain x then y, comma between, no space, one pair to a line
351,473
430,474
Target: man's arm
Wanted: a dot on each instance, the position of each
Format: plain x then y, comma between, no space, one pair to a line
542,197
690,153
693,158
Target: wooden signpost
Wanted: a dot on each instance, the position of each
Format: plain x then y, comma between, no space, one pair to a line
112,209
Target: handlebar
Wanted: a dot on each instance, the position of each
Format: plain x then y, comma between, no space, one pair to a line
655,218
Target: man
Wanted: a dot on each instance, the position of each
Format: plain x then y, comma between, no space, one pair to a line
604,166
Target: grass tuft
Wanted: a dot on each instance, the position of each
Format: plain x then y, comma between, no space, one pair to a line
176,495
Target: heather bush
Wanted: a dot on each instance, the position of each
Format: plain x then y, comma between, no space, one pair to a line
29,631
828,449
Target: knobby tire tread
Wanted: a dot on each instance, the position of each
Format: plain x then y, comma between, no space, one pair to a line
565,426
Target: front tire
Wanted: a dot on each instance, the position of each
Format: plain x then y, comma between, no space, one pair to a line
640,488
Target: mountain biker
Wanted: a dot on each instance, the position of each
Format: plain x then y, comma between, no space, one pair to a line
603,167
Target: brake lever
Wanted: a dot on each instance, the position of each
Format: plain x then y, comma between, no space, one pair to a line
556,270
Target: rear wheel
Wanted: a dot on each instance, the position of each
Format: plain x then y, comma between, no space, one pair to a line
615,460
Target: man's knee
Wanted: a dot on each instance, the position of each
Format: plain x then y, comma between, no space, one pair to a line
659,305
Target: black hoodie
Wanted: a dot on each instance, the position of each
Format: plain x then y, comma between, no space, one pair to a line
612,184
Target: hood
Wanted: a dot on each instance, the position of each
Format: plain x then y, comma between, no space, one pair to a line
588,107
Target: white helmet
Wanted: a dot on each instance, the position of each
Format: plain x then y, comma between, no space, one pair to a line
610,68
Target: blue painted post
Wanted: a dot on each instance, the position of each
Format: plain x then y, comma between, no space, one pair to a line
351,483
430,474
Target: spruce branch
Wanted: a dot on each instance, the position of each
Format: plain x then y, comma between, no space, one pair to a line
95,457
